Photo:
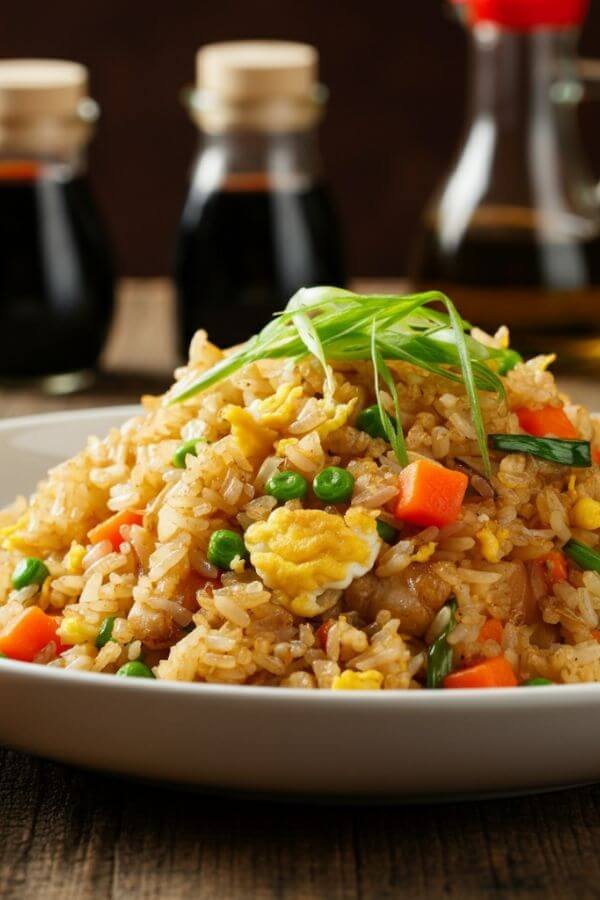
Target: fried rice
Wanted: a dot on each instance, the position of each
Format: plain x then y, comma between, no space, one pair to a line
300,611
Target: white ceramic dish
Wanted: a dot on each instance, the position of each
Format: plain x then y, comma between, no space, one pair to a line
362,745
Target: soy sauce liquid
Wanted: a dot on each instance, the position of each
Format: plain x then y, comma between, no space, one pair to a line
245,248
56,273
547,291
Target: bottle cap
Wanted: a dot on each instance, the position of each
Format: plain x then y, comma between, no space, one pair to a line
525,15
257,84
44,106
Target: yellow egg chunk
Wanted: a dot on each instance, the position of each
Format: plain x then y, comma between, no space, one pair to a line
490,546
371,680
586,514
279,410
300,553
75,557
337,415
252,438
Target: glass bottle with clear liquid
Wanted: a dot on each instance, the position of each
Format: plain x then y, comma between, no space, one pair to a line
514,234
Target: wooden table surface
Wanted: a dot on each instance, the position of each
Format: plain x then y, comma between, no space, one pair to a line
71,835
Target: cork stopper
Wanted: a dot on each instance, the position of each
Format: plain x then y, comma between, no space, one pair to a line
44,106
265,85
41,87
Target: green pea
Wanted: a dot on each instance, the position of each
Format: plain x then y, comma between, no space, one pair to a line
105,633
29,571
537,682
135,669
188,448
386,531
287,486
224,546
3,655
333,485
369,421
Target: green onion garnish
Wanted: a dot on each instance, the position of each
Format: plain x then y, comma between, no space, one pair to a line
440,654
556,450
584,556
335,325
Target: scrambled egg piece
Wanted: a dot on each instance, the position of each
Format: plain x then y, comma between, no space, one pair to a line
586,514
75,558
490,543
279,410
337,415
301,553
253,439
76,630
371,680
10,539
424,553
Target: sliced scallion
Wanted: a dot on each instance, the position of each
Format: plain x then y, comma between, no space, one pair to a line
556,450
335,325
584,556
440,654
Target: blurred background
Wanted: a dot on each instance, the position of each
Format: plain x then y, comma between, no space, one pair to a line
396,72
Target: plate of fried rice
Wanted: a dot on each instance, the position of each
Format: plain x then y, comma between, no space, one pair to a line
358,555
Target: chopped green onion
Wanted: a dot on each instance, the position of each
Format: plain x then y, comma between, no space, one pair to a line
386,531
336,325
537,682
440,653
584,556
29,571
555,450
105,632
510,360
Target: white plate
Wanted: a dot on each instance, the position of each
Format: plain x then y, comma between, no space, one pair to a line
384,746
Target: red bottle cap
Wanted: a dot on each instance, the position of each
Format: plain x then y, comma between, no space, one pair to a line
524,15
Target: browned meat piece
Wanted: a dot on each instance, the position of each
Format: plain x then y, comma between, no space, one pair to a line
414,596
512,597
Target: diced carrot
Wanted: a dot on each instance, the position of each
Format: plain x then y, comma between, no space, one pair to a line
25,637
110,530
549,420
495,672
596,456
322,632
430,494
596,634
554,567
491,630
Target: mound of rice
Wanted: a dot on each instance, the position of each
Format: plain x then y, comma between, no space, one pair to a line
191,622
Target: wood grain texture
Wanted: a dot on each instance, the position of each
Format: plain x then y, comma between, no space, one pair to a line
70,835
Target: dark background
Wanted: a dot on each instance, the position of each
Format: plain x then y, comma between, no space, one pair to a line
396,71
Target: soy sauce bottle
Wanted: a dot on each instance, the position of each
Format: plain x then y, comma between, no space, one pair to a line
56,271
258,222
513,235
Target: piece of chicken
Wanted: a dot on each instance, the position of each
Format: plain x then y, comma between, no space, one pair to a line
414,596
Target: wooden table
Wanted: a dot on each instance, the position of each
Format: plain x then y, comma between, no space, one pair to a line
71,835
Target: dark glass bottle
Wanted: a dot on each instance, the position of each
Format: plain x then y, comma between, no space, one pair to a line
258,222
514,234
56,270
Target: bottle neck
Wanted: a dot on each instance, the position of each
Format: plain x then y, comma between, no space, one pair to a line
258,160
516,75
